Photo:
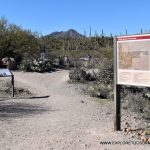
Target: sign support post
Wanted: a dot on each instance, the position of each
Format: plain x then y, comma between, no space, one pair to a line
117,123
13,91
117,99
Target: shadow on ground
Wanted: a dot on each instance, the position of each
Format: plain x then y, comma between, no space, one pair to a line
13,110
23,97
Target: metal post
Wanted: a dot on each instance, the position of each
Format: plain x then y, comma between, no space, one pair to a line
13,91
117,119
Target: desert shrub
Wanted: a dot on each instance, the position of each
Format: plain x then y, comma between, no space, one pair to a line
61,61
134,102
36,66
6,89
71,63
26,65
82,74
78,74
74,63
100,90
99,71
41,66
5,85
137,100
106,75
144,91
146,95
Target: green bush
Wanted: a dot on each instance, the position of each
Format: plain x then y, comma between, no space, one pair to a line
105,75
100,90
137,102
36,66
99,71
78,74
26,65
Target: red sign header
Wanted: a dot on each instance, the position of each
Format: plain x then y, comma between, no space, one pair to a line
136,37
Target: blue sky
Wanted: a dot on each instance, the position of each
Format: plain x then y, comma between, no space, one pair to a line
46,16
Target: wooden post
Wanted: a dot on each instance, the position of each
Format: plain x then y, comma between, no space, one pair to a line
117,119
13,91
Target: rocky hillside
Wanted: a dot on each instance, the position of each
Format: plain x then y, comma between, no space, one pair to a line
66,34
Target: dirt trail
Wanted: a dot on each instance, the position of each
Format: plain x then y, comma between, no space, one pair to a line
67,119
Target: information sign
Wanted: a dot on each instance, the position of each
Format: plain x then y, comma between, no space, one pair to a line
133,60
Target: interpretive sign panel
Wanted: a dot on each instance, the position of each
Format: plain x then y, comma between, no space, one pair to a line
131,67
5,73
133,60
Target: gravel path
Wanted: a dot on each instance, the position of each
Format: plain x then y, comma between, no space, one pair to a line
67,119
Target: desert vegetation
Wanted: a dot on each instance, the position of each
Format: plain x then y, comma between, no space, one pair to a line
97,71
23,44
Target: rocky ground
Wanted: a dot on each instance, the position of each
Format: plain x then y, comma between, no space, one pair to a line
51,114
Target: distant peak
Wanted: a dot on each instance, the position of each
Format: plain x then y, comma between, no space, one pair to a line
71,33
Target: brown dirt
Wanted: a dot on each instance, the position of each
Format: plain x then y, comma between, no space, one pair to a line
67,119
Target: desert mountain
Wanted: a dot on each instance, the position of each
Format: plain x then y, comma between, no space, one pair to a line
66,34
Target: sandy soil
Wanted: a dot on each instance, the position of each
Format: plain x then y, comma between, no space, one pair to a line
67,119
